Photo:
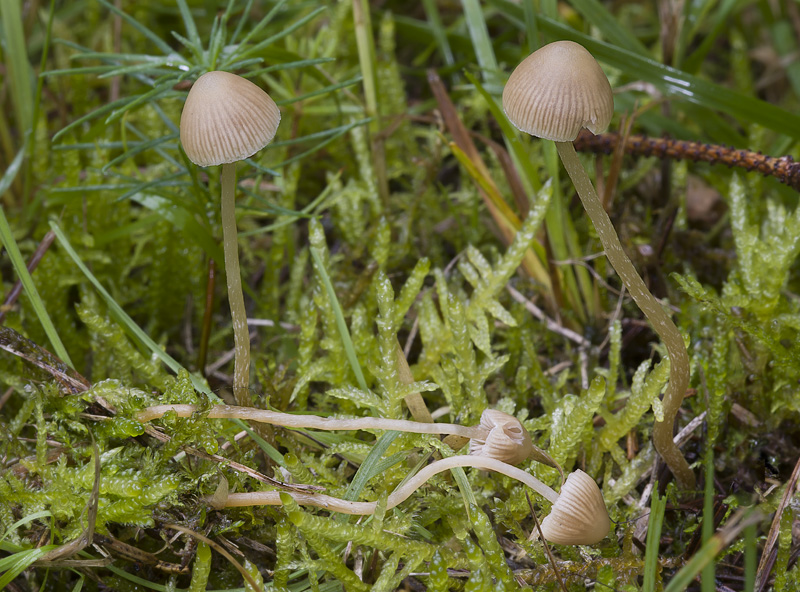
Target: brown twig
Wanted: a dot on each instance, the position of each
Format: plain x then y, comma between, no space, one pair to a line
767,561
783,168
12,296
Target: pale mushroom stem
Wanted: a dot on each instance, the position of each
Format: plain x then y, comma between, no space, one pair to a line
659,319
314,421
241,334
272,498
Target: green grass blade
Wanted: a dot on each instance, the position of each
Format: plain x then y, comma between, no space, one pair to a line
258,47
341,324
432,12
242,20
153,37
689,572
15,564
26,520
93,115
657,507
190,26
750,558
7,239
370,467
707,582
479,33
321,145
125,321
599,16
19,75
138,148
254,31
320,92
288,66
268,448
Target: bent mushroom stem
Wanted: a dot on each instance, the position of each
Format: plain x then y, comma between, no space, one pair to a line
402,493
314,421
661,322
241,334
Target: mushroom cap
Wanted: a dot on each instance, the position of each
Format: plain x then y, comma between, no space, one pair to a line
557,90
226,118
579,517
506,439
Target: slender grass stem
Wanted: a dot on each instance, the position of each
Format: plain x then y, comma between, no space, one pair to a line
241,334
659,319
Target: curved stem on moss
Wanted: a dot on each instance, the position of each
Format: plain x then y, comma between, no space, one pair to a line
659,319
402,493
241,334
313,421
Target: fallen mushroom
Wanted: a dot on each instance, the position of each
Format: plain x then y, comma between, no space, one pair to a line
226,119
552,94
578,515
498,435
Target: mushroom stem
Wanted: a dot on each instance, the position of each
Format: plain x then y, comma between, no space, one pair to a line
314,421
241,334
402,493
659,319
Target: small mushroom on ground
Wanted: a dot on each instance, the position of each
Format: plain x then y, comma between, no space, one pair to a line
499,435
500,439
557,90
579,515
226,119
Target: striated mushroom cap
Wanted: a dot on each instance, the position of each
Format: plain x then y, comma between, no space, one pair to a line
506,439
579,517
557,90
226,118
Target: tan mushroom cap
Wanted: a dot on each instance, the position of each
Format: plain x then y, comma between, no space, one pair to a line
506,439
579,517
226,118
557,90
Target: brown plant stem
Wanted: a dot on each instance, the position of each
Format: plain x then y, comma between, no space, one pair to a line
659,319
783,168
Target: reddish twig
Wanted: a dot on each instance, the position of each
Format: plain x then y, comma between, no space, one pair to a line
783,168
12,296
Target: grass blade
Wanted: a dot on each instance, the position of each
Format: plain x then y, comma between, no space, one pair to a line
657,507
191,27
341,324
599,16
125,321
7,238
155,39
479,33
19,75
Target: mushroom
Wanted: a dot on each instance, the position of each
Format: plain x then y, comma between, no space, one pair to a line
505,438
498,440
579,515
552,94
499,435
226,119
